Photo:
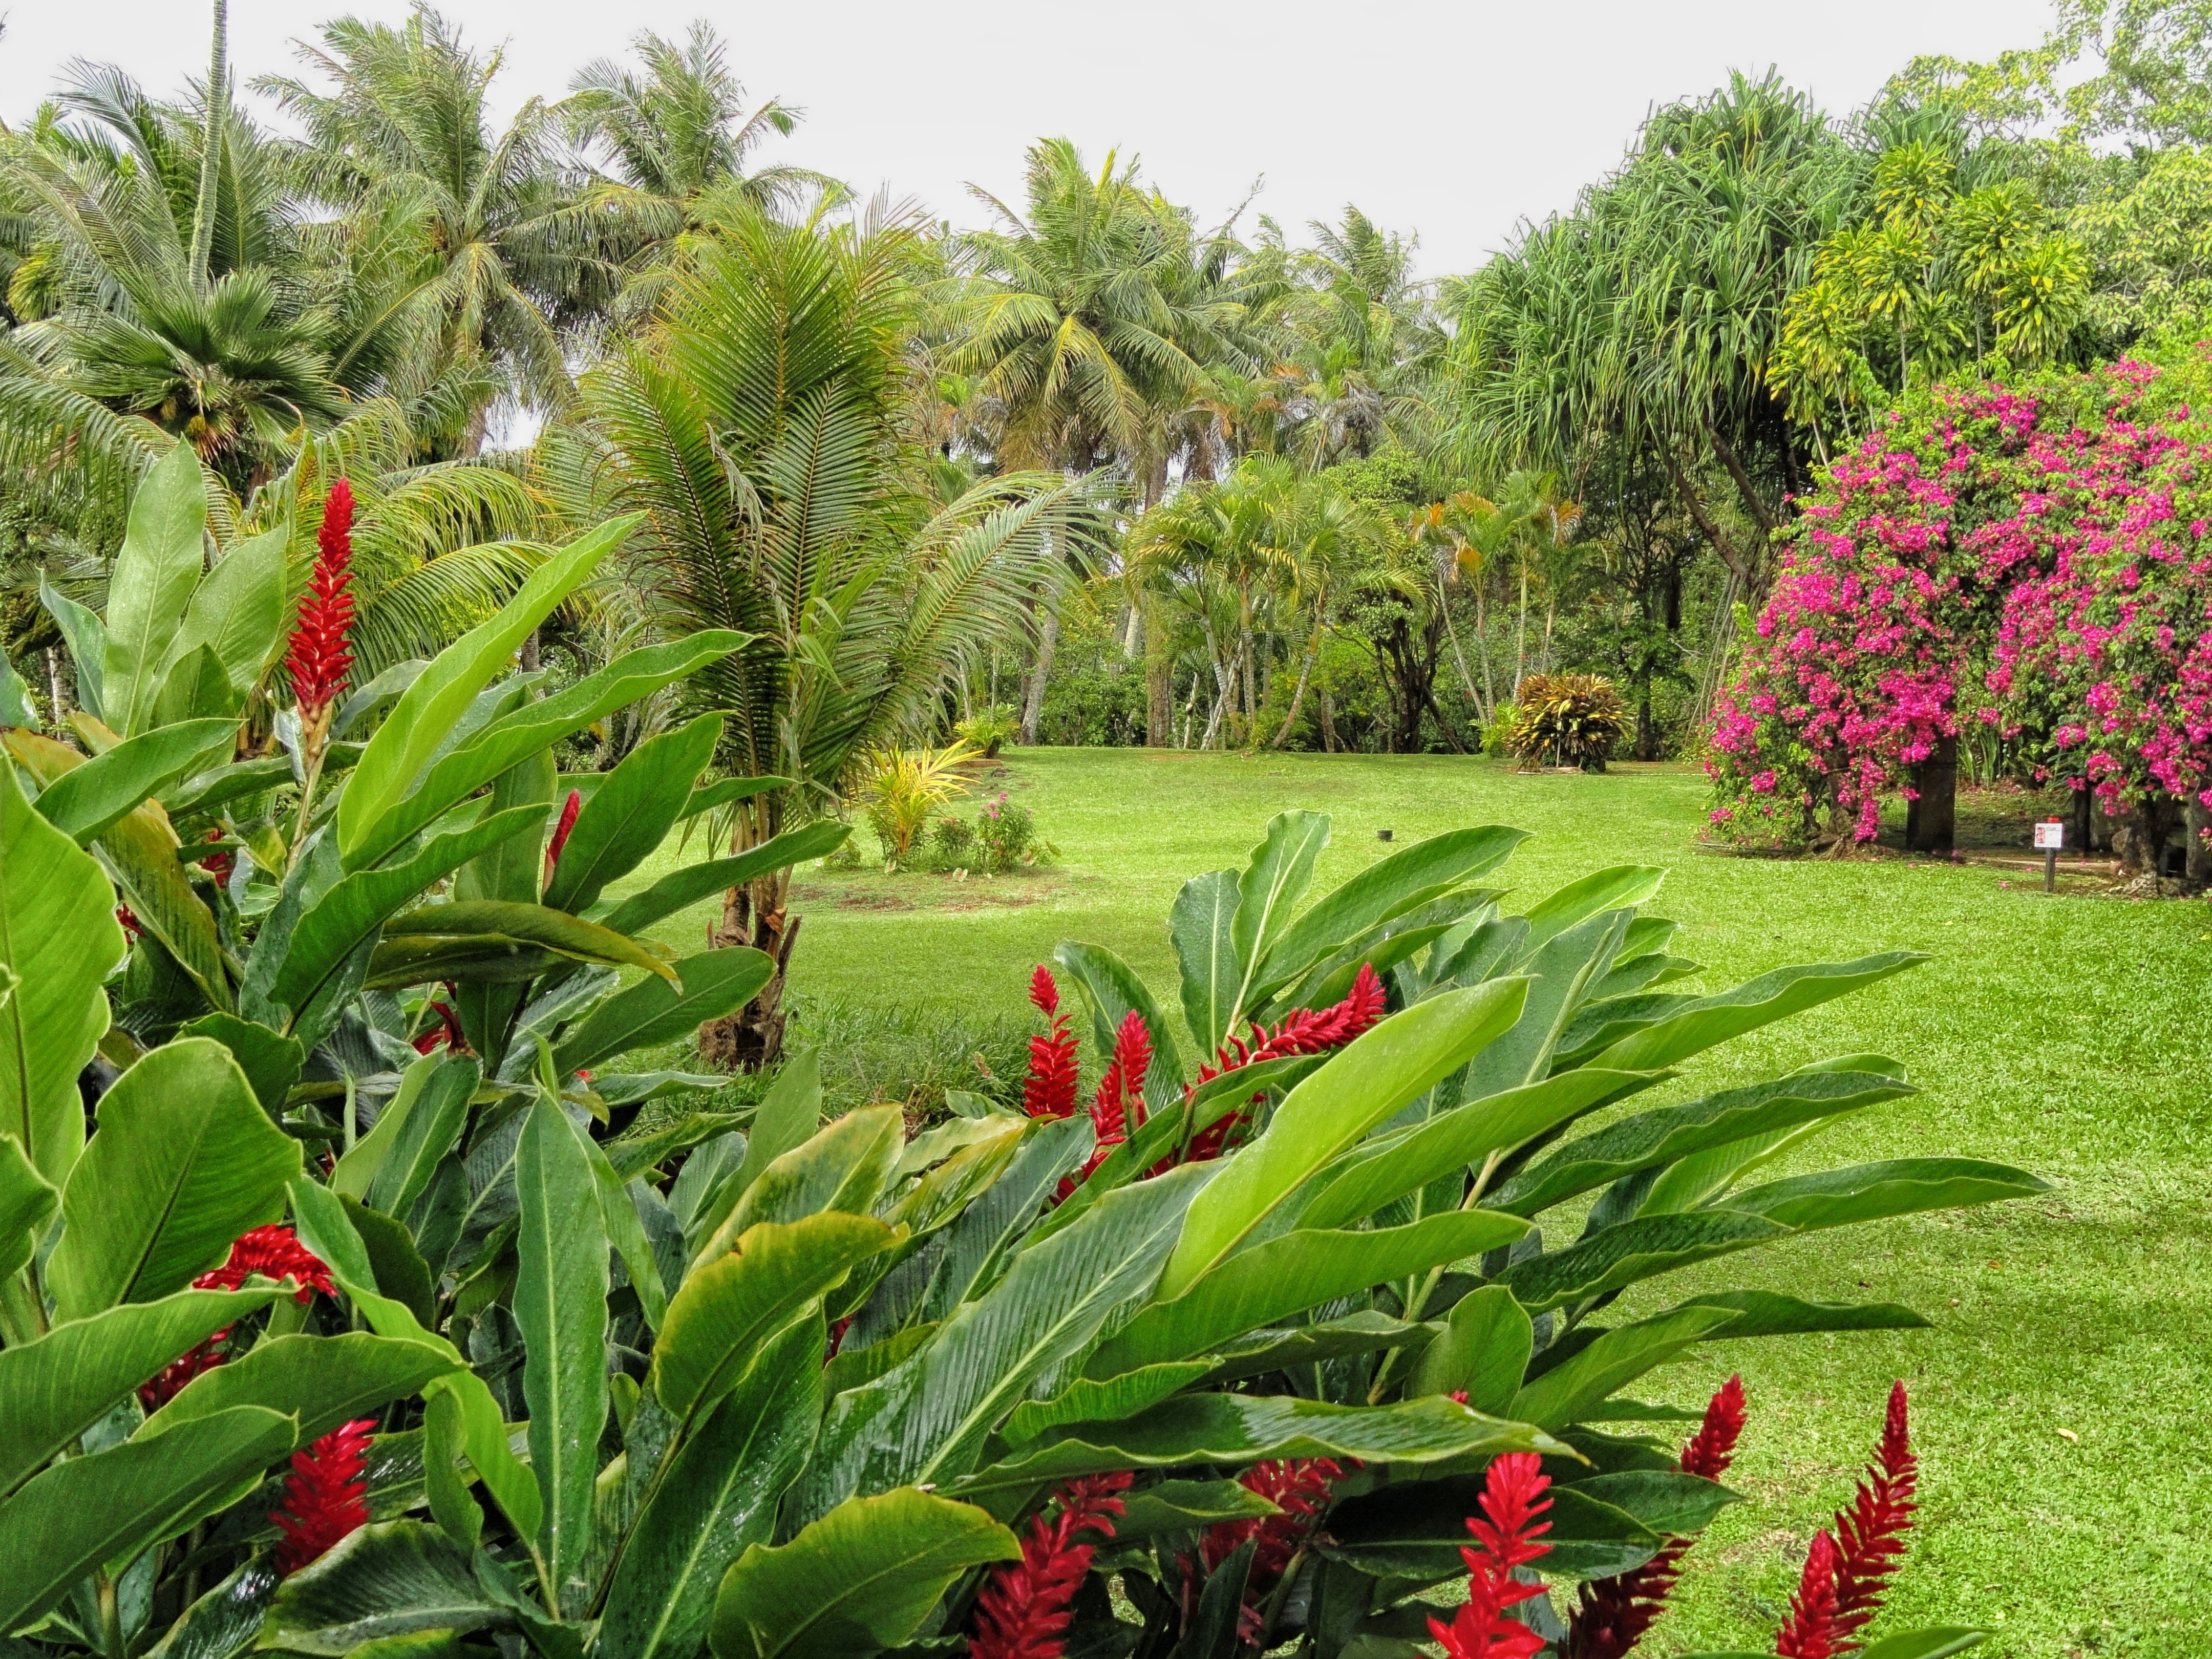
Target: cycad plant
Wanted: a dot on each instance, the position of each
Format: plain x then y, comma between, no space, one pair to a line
759,427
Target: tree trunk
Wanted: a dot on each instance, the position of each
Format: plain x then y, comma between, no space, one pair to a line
1299,691
1328,724
2196,822
1520,635
757,914
1047,638
1159,678
529,654
1931,820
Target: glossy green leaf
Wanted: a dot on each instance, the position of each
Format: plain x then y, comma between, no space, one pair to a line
1939,1642
272,1063
1758,1002
197,688
1483,1351
846,1165
1257,1351
1199,925
1112,988
653,1010
431,1128
238,611
16,706
1363,1085
726,1310
27,1201
86,1511
156,571
185,1160
321,1380
389,1578
560,1303
85,802
1561,1395
716,1498
858,1580
723,792
1666,1500
1667,1133
1289,1274
1770,1313
630,814
1237,1430
58,938
1187,1505
1274,879
55,1387
1622,887
1416,1530
524,924
141,850
1083,1401
1619,1255
86,637
224,1621
511,738
1874,1192
682,888
401,1272
439,696
1559,972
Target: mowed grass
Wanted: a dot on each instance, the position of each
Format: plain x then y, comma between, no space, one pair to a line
2061,1401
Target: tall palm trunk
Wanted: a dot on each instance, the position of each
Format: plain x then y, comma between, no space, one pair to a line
757,915
211,150
1305,673
1159,677
1521,635
1048,640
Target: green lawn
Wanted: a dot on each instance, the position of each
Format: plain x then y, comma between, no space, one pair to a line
2071,1035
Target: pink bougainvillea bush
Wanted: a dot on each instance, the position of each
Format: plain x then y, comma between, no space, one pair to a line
2035,559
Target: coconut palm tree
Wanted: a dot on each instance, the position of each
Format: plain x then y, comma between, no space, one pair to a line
760,425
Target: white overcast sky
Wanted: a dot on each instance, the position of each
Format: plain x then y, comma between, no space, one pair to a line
1457,120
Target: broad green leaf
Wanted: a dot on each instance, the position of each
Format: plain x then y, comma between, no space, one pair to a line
1406,1160
928,1420
1700,1178
716,1498
1874,1192
858,1580
1198,924
53,1388
1187,1505
442,692
1939,1642
1112,988
511,738
1560,972
58,938
686,886
87,637
351,1176
979,1242
1286,1275
430,1130
726,1310
224,1621
631,813
1361,1086
1561,1395
1667,1133
199,688
789,1115
86,1511
238,611
272,1063
430,925
1623,887
1255,1353
1416,1530
321,1381
1235,1429
512,870
85,802
1274,880
1083,1401
1483,1351
713,983
1619,1255
184,1161
846,1165
1759,1002
560,1301
1412,876
1770,1313
709,796
401,1272
27,1200
389,1578
625,1230
156,571
1666,1500
15,708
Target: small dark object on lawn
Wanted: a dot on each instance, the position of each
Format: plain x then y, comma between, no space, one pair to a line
1381,835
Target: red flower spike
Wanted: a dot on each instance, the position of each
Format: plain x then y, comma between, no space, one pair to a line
1611,1615
554,848
1024,1610
1119,1101
222,864
130,921
1299,1488
1302,1031
1505,1535
1049,1090
274,1252
326,1498
1809,1632
318,660
448,1031
1870,1534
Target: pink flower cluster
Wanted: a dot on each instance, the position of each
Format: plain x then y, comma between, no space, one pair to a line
2032,560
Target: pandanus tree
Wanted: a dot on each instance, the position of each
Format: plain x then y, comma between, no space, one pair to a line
760,430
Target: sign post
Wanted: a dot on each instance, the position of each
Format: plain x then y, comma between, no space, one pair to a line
2049,836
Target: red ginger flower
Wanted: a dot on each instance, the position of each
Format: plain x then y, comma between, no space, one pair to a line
1025,1604
1049,1090
1302,1031
1809,1632
569,808
1120,1100
326,1496
1505,1534
1870,1534
1612,1615
318,660
274,1252
1298,1487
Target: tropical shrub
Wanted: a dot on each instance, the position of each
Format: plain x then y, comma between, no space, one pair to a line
899,788
1006,831
1566,720
988,730
1498,734
2032,560
951,843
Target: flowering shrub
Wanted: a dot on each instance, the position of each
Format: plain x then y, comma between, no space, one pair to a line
2034,559
1007,832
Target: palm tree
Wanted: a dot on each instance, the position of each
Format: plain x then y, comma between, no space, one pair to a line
761,426
514,257
1355,327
